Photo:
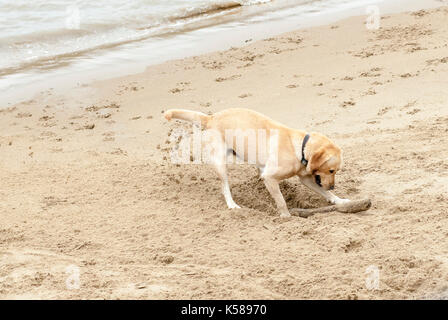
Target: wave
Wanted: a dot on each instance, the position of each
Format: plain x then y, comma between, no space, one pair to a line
47,48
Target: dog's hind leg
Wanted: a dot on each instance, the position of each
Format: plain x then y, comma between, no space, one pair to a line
218,159
222,172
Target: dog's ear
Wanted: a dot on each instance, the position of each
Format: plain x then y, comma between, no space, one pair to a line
316,160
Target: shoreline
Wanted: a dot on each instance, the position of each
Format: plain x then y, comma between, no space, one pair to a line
86,179
104,65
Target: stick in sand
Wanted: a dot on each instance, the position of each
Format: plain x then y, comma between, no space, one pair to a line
349,207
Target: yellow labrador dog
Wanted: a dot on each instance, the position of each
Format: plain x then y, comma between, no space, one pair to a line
281,152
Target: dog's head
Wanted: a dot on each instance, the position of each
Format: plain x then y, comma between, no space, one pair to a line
324,161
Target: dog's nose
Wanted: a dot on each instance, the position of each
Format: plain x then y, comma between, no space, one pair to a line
332,187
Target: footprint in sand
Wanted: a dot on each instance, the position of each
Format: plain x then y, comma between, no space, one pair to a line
176,90
119,152
234,77
437,61
24,115
109,136
181,86
348,103
419,14
45,118
205,104
275,51
88,126
369,92
383,111
408,105
371,73
409,75
93,108
213,65
7,110
414,111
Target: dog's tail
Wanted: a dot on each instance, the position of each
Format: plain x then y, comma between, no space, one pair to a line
187,115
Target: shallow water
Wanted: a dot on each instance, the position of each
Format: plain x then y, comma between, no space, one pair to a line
38,33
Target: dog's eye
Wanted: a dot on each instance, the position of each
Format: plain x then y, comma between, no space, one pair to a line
331,171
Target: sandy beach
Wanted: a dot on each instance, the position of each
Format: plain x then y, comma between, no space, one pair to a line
87,183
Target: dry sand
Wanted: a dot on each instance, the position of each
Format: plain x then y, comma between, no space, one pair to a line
84,180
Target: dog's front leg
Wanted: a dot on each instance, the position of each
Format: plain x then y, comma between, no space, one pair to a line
274,189
332,198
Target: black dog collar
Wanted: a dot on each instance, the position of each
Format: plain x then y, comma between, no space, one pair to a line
305,140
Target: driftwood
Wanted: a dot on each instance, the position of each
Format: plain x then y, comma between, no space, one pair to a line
349,207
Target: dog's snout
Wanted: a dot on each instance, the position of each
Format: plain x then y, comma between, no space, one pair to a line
332,187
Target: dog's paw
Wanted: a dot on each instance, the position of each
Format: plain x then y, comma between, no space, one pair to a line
234,206
339,201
